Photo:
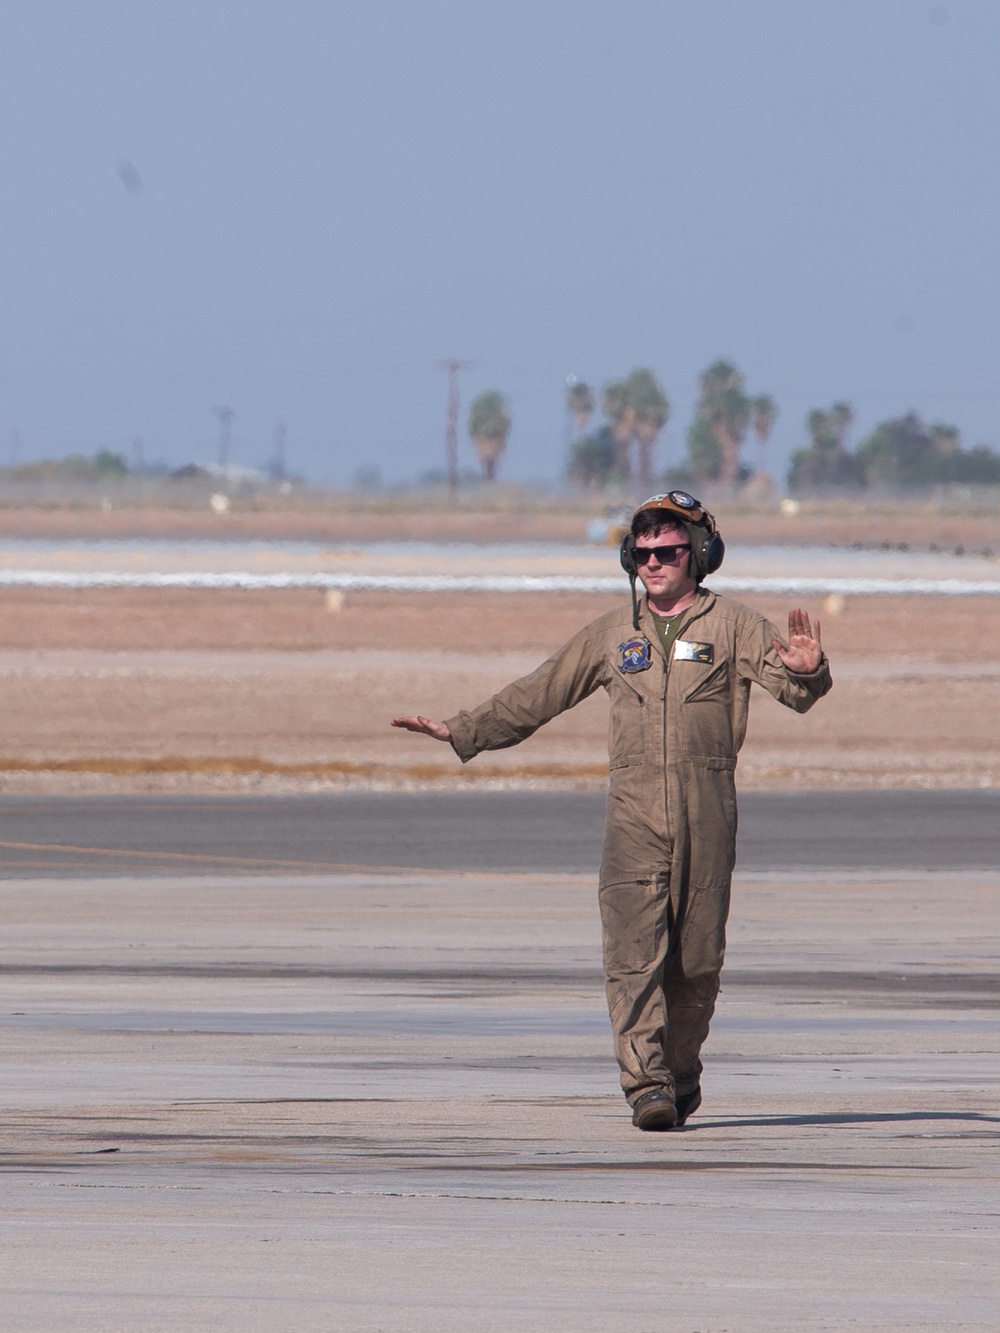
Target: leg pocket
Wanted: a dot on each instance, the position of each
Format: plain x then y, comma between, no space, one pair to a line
634,924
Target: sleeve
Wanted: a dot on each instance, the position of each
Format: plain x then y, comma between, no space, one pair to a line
519,709
757,660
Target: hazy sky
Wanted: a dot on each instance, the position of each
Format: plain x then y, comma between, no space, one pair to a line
298,208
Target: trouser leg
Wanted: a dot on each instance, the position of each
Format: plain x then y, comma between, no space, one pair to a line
634,921
693,962
664,945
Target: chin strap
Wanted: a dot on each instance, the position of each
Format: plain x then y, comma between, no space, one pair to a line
635,602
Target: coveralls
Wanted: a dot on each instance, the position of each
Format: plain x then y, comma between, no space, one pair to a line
670,832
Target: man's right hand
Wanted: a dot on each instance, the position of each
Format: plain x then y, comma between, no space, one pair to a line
424,725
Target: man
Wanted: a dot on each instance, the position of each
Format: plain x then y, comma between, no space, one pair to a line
678,672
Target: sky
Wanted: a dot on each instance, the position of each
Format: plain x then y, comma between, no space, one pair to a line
298,208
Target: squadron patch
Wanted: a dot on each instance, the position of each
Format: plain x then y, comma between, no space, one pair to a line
636,655
687,650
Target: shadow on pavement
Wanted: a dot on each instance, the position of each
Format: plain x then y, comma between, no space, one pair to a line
845,1118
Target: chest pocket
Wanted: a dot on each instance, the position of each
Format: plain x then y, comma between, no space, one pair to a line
713,684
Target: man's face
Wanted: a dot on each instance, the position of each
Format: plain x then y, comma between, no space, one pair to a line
665,580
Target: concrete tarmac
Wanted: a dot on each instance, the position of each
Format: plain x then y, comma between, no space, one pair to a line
485,831
386,1100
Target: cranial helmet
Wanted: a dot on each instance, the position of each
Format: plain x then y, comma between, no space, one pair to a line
683,510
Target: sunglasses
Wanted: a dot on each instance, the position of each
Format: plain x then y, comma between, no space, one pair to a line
666,555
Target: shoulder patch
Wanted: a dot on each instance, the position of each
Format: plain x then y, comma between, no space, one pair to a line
635,655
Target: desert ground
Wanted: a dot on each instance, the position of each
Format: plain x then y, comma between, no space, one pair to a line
166,689
510,514
119,689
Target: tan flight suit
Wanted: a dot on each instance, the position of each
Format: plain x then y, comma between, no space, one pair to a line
670,834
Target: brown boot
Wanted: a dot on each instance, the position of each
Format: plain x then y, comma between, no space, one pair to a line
655,1109
687,1104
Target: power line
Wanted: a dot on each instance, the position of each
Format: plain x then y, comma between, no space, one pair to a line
279,451
225,415
452,365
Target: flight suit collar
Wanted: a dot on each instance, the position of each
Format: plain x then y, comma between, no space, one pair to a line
702,604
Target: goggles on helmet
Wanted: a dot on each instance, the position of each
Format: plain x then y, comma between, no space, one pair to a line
676,502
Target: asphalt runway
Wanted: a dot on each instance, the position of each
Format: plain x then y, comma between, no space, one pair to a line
372,1101
56,837
246,1086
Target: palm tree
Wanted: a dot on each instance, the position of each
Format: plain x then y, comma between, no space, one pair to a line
828,430
841,418
650,409
821,430
945,439
580,401
489,426
703,449
621,414
764,412
727,408
827,465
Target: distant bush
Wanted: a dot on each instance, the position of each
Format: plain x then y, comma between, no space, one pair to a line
107,464
592,461
104,465
903,453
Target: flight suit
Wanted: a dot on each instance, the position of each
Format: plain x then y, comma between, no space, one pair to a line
670,832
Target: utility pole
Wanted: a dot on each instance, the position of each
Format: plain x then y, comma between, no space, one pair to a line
453,366
278,466
225,415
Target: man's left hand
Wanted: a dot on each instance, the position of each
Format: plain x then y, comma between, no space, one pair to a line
805,651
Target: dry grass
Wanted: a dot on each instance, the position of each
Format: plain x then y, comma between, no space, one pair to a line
940,629
243,765
504,513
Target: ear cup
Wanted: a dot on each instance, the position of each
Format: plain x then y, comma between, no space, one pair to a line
626,554
715,553
707,550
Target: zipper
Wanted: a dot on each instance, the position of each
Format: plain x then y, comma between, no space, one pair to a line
666,784
698,613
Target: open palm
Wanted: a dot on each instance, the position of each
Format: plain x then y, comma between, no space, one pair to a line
425,726
805,649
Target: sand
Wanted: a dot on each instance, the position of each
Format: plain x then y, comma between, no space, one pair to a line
229,691
506,514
